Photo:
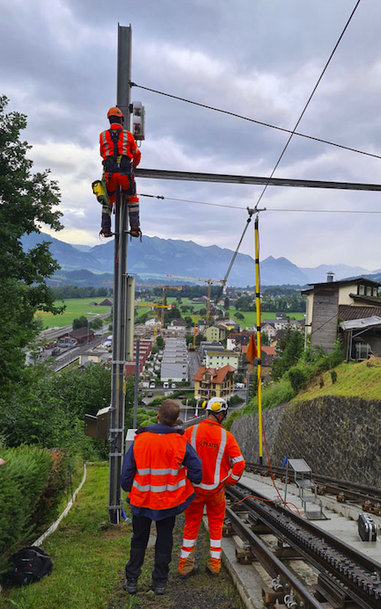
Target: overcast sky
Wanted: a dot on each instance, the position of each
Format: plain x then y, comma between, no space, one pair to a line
258,58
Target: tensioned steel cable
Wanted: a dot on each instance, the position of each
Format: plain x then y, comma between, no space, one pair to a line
309,100
264,123
258,122
293,131
277,209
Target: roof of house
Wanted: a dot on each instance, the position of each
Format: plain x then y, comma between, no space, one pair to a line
334,284
347,312
218,374
373,300
269,350
81,333
178,322
365,322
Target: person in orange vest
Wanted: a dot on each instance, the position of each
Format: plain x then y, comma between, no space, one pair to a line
120,156
158,470
222,464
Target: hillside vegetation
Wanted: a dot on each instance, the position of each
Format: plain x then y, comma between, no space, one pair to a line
361,380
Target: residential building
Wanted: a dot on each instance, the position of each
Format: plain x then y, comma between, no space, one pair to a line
209,346
81,335
145,347
210,382
214,334
174,364
237,339
178,324
345,300
219,359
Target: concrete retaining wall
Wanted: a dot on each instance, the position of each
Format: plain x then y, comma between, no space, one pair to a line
337,436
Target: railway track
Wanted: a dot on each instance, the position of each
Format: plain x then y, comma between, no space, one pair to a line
368,497
342,576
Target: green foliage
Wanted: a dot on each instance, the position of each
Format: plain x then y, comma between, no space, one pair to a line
22,480
74,291
96,324
81,322
160,342
27,200
235,399
278,393
47,409
289,350
299,378
333,376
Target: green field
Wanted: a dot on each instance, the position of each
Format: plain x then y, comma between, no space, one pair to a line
250,316
75,307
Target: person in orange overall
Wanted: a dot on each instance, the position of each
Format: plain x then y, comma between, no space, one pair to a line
222,464
159,470
120,155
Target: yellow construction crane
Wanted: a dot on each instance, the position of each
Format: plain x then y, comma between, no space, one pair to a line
164,296
209,282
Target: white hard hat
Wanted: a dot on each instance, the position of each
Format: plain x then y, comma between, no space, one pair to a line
216,405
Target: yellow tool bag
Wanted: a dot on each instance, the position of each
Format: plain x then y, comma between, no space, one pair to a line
100,191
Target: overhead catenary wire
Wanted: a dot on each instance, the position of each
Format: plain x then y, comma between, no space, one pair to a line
277,209
264,123
309,100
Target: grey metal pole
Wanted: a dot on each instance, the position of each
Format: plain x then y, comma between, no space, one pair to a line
137,353
120,287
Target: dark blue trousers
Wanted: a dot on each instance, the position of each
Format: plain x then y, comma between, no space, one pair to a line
163,548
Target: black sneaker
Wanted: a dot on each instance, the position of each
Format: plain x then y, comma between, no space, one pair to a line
131,586
158,587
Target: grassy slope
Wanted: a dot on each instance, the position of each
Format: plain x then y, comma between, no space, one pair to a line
89,556
75,307
361,380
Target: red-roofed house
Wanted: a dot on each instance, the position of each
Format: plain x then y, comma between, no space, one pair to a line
214,382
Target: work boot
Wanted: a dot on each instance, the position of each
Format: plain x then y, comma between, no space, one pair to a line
106,225
186,566
213,565
158,587
135,231
131,585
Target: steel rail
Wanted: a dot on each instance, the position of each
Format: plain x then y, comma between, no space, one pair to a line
162,174
359,576
350,490
272,563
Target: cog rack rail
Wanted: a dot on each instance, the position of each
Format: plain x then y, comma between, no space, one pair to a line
344,574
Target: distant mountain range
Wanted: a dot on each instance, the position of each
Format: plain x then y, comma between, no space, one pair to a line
153,259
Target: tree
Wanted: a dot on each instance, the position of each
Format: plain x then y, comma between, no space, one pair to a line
96,324
289,350
27,201
80,322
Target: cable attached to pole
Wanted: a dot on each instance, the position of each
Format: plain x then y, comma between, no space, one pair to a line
250,212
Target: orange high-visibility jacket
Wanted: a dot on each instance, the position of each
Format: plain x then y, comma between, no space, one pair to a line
160,481
222,461
126,144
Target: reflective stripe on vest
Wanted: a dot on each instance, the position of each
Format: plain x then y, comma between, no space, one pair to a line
158,489
106,144
220,454
158,472
237,459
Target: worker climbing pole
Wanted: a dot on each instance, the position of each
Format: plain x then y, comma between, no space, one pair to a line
123,295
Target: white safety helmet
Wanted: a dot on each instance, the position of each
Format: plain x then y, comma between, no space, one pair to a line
216,405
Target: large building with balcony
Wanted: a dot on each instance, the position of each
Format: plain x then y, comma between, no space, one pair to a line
212,382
